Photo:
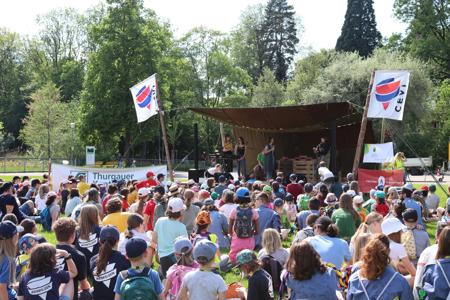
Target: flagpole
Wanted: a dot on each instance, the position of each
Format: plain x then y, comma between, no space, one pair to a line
164,132
362,131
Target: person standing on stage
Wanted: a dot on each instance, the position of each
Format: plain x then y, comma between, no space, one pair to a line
228,153
269,158
323,151
240,153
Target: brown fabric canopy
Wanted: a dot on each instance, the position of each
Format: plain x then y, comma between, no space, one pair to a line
300,118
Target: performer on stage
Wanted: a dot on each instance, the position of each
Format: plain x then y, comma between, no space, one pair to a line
240,154
228,154
269,158
322,151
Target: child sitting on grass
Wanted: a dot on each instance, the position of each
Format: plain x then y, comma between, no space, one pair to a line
203,283
26,244
175,274
139,281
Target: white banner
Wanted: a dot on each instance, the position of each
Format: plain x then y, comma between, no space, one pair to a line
388,96
378,153
144,97
102,175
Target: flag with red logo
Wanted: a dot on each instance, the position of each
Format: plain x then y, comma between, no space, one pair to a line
388,96
144,97
369,179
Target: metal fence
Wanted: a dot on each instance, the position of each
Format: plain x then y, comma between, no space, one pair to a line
28,165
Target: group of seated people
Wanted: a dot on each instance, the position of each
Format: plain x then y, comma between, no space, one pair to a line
153,240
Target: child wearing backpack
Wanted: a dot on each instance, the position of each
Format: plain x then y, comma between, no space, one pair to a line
243,225
175,274
43,280
303,199
51,212
290,207
202,222
260,285
138,282
26,244
203,283
380,205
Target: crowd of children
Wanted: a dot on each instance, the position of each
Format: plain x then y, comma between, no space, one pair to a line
153,240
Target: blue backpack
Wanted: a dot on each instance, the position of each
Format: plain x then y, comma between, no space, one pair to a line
46,219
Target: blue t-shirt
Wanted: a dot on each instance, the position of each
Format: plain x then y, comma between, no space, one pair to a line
45,287
5,275
398,288
105,282
152,275
320,286
303,215
267,219
168,230
410,203
331,249
219,226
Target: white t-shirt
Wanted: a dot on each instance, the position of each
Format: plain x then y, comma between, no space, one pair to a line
203,285
325,173
397,252
432,202
227,208
428,257
281,255
147,236
40,202
134,207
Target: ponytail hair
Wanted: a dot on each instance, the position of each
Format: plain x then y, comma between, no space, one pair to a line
185,257
134,221
104,254
326,225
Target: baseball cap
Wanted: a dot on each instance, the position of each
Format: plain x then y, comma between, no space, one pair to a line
8,229
231,187
204,194
26,183
424,188
176,205
51,194
65,181
279,179
109,232
351,193
149,174
135,247
278,202
214,196
203,218
372,192
358,199
391,225
182,245
143,191
267,189
408,186
205,250
190,182
380,194
244,257
243,193
27,241
208,201
292,176
222,178
380,187
410,215
289,197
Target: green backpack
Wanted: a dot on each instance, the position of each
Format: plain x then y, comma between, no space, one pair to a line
303,202
137,287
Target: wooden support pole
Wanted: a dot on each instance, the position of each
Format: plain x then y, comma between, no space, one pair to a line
383,130
362,131
164,133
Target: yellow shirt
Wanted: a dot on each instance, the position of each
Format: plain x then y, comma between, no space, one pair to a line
228,146
118,219
83,187
132,197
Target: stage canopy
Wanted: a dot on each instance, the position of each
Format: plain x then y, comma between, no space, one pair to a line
296,129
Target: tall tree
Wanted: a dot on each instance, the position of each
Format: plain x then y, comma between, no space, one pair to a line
46,129
268,92
359,32
428,34
130,43
280,37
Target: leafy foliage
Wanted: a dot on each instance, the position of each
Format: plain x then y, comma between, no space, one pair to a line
359,32
268,92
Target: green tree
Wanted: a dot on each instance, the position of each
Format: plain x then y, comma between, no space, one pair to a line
268,92
359,32
428,34
130,43
46,129
280,37
247,42
13,84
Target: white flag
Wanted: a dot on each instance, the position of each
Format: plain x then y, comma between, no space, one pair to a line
388,96
144,97
378,153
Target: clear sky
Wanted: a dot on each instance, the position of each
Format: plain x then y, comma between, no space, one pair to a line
322,19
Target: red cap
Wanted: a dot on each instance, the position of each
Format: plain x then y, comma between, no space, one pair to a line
150,173
204,194
424,188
